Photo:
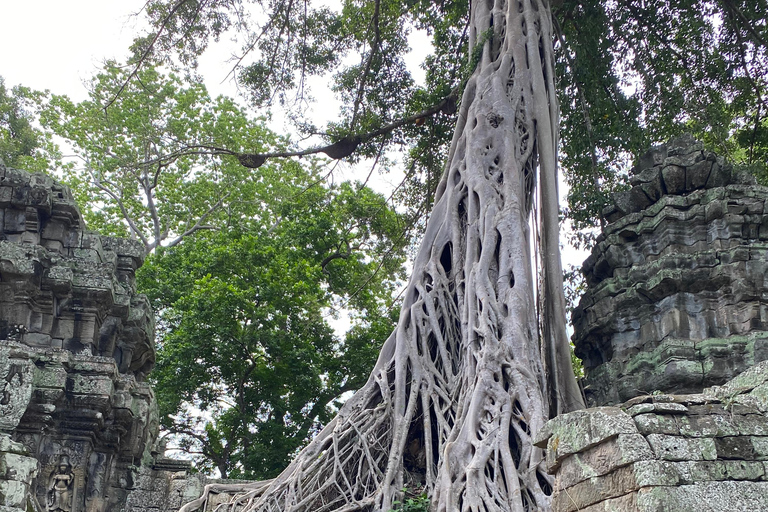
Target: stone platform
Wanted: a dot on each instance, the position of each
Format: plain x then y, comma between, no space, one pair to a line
703,452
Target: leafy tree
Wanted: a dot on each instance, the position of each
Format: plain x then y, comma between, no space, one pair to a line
245,332
469,374
630,73
638,72
145,167
22,145
242,305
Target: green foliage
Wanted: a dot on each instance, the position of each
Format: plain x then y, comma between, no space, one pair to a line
22,145
145,167
639,72
249,366
244,321
418,503
630,74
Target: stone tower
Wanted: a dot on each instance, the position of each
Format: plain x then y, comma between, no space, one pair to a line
677,296
76,343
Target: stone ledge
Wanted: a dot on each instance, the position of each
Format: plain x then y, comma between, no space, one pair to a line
683,448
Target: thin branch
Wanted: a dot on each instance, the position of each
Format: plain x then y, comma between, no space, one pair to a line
348,144
146,54
126,215
747,24
368,63
199,225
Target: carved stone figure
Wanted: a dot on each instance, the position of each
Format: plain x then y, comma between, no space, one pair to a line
61,487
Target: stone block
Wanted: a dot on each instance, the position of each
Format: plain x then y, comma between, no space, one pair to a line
14,221
697,175
602,459
5,196
14,466
652,158
90,385
701,470
677,448
715,425
576,431
705,497
658,408
615,484
13,494
744,470
674,179
657,424
736,447
751,424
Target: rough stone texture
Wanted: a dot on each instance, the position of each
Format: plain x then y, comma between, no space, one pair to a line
78,421
688,452
17,472
677,296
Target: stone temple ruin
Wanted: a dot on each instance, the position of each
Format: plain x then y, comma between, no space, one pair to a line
673,332
78,421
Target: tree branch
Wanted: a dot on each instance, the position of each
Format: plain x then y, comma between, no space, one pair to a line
146,54
347,145
199,224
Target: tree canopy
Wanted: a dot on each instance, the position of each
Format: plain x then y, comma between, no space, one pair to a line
245,334
630,73
22,144
246,271
144,167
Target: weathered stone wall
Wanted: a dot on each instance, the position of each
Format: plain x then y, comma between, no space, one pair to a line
677,295
78,421
704,452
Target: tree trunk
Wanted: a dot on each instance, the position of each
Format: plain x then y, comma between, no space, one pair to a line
468,376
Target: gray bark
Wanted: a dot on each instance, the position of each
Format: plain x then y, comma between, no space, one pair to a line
468,376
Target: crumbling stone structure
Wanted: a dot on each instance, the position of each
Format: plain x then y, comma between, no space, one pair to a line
677,296
676,306
706,452
78,421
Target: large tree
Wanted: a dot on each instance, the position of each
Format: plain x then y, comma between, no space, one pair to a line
244,269
630,73
473,368
248,364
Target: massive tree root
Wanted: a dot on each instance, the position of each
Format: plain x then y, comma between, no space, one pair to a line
468,376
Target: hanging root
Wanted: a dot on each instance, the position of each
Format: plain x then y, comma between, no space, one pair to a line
459,388
253,489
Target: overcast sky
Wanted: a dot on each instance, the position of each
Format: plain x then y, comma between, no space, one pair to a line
55,45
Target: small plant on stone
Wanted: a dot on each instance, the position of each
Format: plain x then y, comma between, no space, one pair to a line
418,503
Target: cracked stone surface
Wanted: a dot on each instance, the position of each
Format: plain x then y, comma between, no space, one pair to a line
704,451
78,421
677,296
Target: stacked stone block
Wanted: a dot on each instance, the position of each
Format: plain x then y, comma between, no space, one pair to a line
17,472
64,287
703,452
677,295
76,343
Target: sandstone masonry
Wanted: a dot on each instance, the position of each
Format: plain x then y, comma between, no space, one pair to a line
672,330
78,421
677,295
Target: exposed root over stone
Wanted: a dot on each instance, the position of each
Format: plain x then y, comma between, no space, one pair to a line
468,376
